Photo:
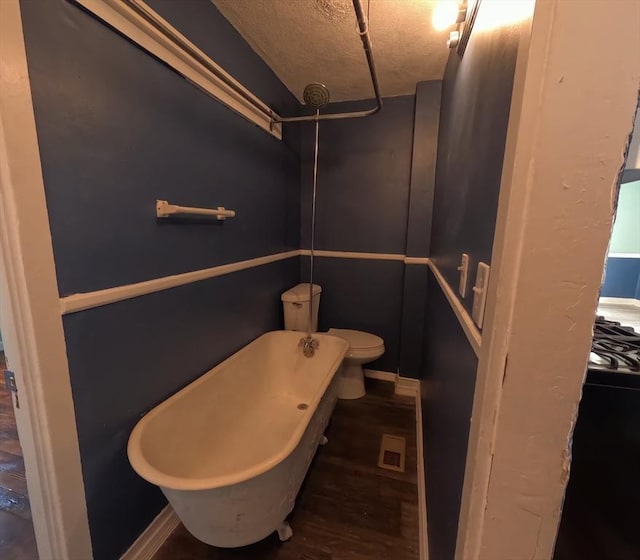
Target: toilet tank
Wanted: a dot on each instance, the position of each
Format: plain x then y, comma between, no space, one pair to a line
295,302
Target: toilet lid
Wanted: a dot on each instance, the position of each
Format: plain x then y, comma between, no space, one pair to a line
358,340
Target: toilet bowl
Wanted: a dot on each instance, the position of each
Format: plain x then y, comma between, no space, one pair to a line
363,348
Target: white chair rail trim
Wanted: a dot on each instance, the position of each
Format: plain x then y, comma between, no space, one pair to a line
370,256
80,302
88,300
466,322
354,255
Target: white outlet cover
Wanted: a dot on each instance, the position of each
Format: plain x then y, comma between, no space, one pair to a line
464,274
480,293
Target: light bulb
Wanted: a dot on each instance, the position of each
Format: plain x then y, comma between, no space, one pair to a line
445,14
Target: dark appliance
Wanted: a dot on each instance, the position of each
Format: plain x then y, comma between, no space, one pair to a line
601,514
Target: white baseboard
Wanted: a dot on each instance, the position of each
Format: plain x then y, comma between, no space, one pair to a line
422,493
407,386
381,375
153,537
623,302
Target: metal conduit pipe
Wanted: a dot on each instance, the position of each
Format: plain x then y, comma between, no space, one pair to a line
141,9
363,28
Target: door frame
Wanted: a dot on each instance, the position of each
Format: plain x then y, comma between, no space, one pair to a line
574,100
31,321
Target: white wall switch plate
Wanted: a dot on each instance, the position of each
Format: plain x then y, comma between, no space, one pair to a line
480,293
464,274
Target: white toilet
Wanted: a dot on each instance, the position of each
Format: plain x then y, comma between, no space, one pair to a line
364,347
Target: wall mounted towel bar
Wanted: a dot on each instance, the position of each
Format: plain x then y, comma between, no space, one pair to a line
166,210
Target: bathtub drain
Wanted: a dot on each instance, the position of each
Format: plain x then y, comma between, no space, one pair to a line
303,406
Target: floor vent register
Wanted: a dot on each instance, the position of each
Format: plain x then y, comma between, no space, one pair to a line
393,450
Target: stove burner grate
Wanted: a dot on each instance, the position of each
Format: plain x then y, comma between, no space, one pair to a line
614,347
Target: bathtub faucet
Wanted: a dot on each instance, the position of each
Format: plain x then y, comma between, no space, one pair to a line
309,345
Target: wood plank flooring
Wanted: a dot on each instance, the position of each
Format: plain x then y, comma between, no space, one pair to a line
17,541
348,508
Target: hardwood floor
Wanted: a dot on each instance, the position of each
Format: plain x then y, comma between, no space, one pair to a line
17,541
348,508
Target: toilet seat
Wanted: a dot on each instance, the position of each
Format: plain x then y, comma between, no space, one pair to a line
361,344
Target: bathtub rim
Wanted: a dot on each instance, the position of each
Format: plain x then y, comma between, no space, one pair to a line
155,476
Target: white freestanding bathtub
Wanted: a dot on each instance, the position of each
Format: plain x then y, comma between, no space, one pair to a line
231,449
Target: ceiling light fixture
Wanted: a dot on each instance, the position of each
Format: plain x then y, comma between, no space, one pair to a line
458,16
445,14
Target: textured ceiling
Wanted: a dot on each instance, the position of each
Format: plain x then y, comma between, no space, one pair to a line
317,41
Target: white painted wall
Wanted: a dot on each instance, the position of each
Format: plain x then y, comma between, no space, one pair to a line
574,102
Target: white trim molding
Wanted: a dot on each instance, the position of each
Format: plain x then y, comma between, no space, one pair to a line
404,386
623,256
407,386
422,486
466,322
367,256
31,324
145,27
381,375
416,260
354,255
89,300
153,537
80,302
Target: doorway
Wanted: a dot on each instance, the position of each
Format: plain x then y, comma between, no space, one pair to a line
620,294
31,324
17,538
601,514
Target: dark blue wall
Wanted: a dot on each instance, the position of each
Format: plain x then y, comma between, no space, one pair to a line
364,173
423,168
364,295
448,385
414,300
622,278
363,204
476,96
127,357
117,130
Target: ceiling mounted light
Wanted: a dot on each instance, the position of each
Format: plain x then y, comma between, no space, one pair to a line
445,14
458,16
